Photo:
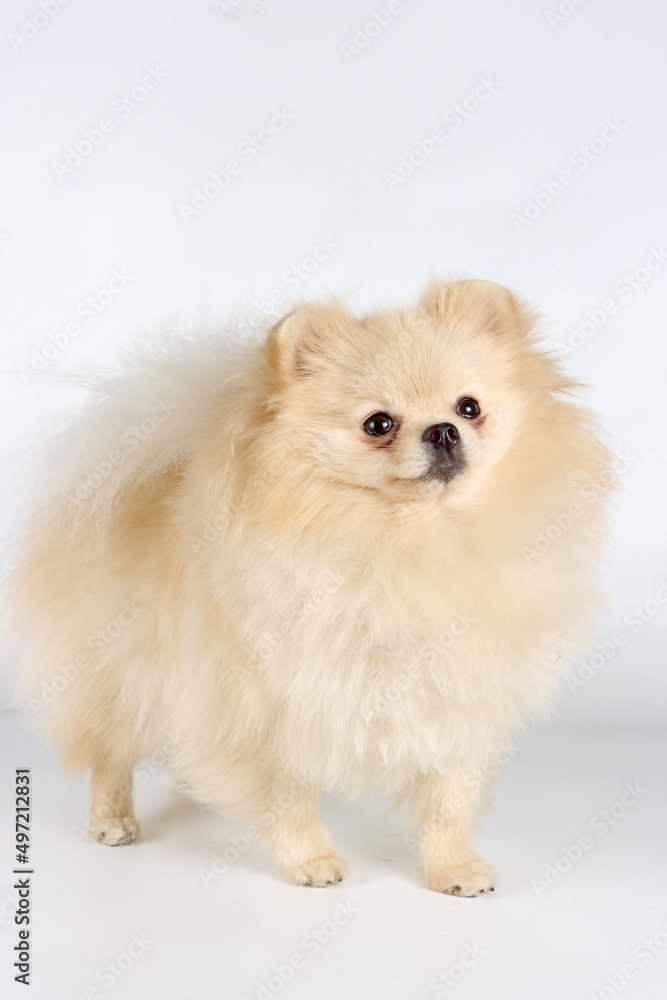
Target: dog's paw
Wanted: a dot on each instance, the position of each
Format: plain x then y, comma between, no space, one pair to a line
327,870
475,878
113,830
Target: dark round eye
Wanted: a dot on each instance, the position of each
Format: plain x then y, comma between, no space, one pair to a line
468,407
378,424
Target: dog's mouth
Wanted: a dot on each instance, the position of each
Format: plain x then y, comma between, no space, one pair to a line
444,465
434,476
442,473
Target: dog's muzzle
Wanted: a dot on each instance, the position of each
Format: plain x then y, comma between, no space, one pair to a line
446,457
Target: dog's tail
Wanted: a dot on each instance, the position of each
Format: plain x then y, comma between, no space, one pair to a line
72,626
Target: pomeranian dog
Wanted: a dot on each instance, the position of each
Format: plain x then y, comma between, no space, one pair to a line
354,553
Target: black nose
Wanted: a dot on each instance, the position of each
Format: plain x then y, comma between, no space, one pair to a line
442,436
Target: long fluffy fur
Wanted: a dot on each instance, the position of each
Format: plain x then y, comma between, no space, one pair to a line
209,568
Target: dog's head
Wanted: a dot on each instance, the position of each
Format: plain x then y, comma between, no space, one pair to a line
410,403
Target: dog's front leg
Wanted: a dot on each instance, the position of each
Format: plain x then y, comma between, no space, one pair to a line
301,841
444,806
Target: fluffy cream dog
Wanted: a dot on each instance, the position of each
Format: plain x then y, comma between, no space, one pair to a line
356,555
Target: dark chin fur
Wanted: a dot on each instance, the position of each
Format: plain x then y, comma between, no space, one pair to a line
444,469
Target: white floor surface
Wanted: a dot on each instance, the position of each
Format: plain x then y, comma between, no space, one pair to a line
194,909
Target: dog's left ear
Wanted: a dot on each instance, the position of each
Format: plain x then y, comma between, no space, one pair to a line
305,340
482,305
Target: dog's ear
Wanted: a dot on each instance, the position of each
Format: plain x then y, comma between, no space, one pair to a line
481,305
306,339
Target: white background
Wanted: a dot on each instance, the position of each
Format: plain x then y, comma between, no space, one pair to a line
359,104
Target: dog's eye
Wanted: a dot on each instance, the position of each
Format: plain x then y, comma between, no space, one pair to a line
468,407
378,424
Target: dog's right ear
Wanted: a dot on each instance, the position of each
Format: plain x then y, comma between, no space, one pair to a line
301,343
